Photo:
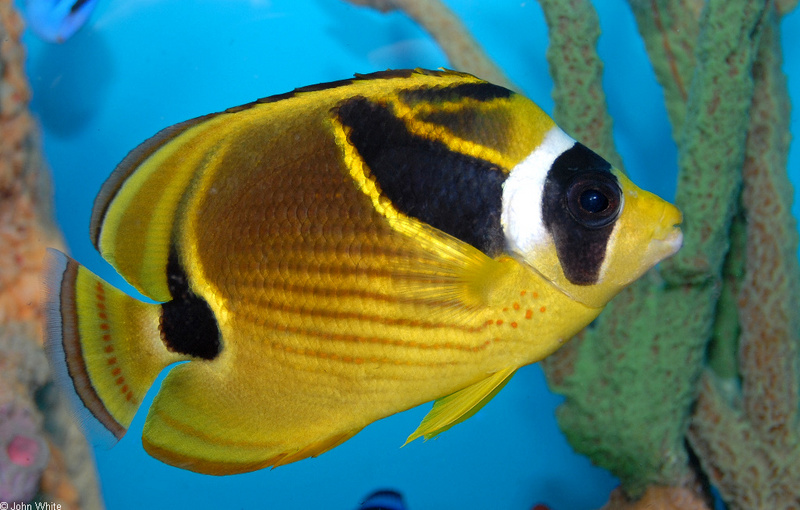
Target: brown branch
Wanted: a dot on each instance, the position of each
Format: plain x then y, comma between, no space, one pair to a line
462,50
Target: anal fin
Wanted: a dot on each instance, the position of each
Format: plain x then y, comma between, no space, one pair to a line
313,449
209,420
457,407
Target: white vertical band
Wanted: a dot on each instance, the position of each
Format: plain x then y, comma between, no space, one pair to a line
523,191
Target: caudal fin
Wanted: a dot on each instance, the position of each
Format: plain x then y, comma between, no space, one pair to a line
104,346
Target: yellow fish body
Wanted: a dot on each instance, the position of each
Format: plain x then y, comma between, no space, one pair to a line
331,256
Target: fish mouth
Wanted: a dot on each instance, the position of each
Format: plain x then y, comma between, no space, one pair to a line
668,236
664,246
672,242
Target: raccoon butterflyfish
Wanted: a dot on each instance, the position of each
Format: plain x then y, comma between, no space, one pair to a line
328,257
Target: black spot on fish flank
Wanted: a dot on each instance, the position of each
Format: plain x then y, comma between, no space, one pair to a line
581,245
453,192
188,325
478,91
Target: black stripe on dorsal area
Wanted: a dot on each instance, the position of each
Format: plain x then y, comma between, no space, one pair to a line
479,91
188,325
458,194
390,74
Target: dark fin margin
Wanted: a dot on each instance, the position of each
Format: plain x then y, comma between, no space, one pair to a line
379,75
480,91
64,348
127,167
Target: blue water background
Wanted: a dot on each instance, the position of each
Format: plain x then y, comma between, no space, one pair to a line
141,65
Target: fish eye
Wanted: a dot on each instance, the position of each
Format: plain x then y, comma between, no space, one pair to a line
594,202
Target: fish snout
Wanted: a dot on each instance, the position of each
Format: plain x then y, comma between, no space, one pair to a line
668,237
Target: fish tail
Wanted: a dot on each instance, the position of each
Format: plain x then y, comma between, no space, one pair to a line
103,345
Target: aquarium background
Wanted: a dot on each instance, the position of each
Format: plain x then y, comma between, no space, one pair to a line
141,65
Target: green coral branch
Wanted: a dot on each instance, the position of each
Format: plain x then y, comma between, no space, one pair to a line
577,73
769,301
669,30
750,473
629,393
785,6
711,148
630,380
600,371
724,342
749,440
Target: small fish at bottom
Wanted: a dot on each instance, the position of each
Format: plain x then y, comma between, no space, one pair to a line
384,500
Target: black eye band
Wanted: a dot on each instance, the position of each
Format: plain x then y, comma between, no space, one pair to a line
582,199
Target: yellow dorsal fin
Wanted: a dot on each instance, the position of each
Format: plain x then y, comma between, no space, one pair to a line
135,212
457,407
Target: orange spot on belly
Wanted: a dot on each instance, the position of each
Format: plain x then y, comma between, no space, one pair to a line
528,313
543,309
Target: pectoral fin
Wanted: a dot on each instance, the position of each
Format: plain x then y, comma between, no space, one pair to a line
457,407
